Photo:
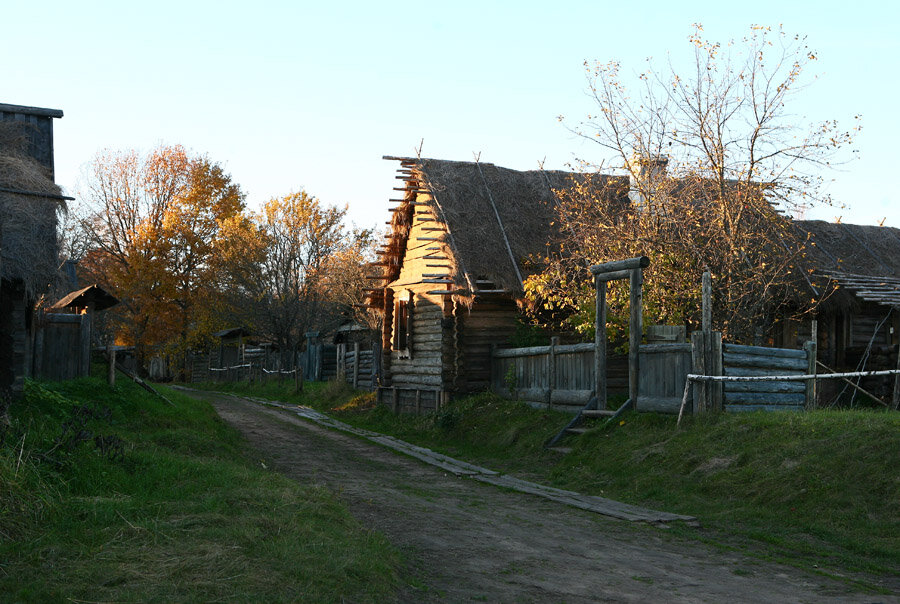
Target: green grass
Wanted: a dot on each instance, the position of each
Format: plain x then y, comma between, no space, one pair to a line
114,495
820,490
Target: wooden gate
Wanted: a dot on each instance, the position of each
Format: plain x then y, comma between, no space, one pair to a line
62,347
664,369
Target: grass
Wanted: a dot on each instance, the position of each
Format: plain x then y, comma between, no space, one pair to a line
114,495
820,490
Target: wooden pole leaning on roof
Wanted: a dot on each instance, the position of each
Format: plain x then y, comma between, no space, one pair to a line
512,257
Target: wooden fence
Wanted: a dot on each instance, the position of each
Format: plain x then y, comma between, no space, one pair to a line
562,376
558,375
354,363
62,346
747,361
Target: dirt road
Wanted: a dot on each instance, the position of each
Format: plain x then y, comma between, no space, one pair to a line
466,541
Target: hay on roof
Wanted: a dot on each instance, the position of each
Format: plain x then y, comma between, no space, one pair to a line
497,218
28,241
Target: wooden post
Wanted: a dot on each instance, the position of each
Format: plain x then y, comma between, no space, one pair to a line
715,365
395,400
706,356
698,362
355,364
85,341
636,328
707,302
551,377
111,371
38,352
895,403
811,348
418,402
600,344
298,378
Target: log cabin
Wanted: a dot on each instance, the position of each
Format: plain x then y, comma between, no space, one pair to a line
29,203
449,279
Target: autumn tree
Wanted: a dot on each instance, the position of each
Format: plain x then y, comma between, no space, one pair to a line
711,161
293,267
151,223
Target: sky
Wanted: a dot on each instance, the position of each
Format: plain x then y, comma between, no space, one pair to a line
311,95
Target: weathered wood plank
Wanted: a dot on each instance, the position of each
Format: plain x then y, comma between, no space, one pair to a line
765,398
764,351
768,362
794,387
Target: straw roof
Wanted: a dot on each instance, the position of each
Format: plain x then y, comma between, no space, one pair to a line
29,202
500,222
864,259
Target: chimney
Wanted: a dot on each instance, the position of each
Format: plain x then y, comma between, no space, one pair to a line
646,184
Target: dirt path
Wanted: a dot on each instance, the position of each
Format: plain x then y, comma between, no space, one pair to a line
466,541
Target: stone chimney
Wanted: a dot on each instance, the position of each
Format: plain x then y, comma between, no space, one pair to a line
646,180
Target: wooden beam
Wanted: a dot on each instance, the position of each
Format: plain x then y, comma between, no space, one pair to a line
618,265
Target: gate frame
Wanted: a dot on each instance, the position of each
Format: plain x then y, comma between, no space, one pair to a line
633,270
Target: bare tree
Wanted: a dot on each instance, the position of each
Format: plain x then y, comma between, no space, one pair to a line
711,161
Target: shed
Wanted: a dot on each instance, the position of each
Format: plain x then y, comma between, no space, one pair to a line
29,203
448,282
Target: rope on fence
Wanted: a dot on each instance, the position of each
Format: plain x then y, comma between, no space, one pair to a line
227,368
692,377
278,371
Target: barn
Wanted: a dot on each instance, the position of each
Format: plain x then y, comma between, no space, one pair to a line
29,205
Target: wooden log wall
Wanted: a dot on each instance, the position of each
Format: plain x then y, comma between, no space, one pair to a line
757,360
490,321
357,364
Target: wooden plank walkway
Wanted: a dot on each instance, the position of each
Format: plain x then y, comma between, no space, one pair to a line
591,503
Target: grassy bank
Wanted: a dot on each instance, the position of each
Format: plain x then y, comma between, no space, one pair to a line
819,490
114,495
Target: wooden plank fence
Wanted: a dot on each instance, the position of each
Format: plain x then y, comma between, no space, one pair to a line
562,376
62,346
556,375
320,362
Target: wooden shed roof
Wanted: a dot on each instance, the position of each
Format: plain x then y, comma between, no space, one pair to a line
92,295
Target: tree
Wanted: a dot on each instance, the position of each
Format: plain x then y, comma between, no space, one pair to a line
151,224
713,158
293,267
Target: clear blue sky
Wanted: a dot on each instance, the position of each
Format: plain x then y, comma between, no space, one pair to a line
291,95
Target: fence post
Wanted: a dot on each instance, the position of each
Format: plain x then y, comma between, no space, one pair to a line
298,378
635,329
355,364
706,357
811,348
85,341
551,361
111,371
600,343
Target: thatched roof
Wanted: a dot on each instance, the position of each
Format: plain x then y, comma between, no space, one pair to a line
29,202
500,222
864,259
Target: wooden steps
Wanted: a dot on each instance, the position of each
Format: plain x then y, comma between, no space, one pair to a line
598,413
562,450
575,428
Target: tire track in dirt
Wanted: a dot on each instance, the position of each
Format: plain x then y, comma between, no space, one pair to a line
467,541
